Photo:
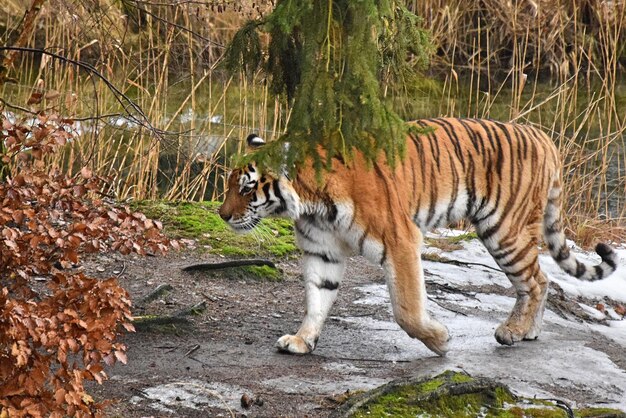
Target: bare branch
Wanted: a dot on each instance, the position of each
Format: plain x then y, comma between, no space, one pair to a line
129,106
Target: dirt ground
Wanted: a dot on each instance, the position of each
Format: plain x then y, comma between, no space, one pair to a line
203,368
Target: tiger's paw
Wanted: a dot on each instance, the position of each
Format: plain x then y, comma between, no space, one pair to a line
293,344
507,335
533,332
437,339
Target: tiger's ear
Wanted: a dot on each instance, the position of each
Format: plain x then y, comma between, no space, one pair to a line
254,141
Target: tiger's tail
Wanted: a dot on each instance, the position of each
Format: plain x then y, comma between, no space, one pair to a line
555,239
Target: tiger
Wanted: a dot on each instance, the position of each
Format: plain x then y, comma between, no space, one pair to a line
504,178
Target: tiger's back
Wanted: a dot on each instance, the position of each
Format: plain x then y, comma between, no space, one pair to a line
504,178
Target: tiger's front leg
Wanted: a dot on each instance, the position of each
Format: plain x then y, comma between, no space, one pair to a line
323,267
321,280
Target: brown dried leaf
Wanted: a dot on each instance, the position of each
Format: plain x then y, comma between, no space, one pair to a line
34,98
121,356
86,173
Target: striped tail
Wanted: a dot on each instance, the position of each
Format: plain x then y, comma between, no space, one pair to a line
555,238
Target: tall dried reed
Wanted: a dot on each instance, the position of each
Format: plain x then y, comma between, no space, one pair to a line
558,65
553,64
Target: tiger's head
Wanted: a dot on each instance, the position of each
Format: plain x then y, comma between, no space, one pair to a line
252,195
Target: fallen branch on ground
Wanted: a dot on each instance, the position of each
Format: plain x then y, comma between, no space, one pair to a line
229,264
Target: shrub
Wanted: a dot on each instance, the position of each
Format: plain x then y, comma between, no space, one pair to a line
58,326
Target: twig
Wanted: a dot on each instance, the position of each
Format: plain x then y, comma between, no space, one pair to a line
20,108
559,404
196,309
148,320
362,359
464,263
445,307
192,350
159,291
449,289
122,270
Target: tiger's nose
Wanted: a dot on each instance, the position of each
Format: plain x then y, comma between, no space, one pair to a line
225,216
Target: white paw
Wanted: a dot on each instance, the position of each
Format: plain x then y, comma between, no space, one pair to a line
293,344
534,332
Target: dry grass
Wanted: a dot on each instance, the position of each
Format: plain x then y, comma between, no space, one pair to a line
493,57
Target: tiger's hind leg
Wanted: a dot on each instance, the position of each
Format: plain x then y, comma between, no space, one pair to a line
518,259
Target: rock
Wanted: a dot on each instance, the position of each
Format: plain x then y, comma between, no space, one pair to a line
246,401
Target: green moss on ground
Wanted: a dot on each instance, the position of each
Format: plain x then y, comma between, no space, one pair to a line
599,413
450,244
468,236
455,395
201,222
263,272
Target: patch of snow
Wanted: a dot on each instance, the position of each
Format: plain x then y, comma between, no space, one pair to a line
462,275
193,394
615,331
294,384
374,294
591,311
344,368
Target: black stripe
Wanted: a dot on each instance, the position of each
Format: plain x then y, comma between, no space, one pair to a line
456,142
580,269
455,188
471,188
495,144
387,193
523,252
471,133
554,228
266,190
514,184
503,253
332,211
488,233
383,258
325,258
329,285
419,149
305,234
606,253
433,197
362,240
562,255
521,271
599,272
413,179
283,205
432,141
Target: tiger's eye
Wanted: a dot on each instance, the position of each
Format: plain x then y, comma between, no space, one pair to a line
245,190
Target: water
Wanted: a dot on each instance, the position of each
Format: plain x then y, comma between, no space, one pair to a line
546,106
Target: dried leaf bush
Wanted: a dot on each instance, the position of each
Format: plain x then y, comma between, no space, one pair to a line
58,326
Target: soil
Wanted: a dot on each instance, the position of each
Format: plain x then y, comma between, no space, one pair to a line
223,362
